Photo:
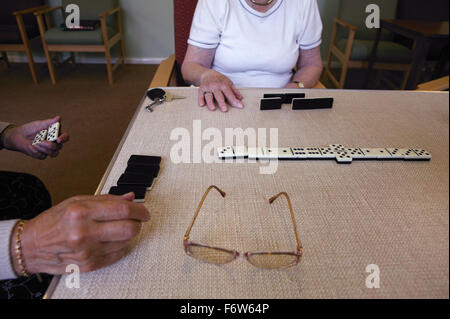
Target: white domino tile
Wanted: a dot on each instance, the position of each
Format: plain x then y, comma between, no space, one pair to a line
225,152
240,152
328,153
356,153
335,151
53,132
269,153
41,136
285,153
300,153
313,153
376,153
399,153
423,154
255,153
344,158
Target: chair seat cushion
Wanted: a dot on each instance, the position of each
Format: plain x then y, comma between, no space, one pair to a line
388,51
9,34
58,36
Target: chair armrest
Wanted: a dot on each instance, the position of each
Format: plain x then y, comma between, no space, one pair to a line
345,24
47,10
164,72
29,10
109,12
441,84
319,85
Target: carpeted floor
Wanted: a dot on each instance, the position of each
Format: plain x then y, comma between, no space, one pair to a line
95,115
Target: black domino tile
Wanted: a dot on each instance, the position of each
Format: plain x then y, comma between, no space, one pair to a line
311,104
273,103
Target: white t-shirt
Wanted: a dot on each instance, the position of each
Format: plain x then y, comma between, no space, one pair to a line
255,49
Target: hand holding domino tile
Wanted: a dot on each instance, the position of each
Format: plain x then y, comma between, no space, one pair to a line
37,139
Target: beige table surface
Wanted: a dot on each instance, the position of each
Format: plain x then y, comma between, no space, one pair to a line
392,214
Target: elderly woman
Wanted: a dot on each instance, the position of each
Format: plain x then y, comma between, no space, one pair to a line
252,43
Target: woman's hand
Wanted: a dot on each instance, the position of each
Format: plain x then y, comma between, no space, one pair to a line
89,231
20,139
217,88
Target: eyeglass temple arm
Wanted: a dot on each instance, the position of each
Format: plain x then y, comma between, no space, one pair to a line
222,193
272,199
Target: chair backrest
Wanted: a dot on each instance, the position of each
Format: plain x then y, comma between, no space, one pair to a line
90,9
354,12
183,15
9,6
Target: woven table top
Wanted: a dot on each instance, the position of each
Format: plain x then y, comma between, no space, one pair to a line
393,214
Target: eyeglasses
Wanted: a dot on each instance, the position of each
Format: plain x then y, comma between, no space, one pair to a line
220,256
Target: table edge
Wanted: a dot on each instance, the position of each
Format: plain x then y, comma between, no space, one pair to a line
53,284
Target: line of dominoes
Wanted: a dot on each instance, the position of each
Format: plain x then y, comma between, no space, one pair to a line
338,152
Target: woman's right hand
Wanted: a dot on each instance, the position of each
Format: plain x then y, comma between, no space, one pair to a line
89,231
216,90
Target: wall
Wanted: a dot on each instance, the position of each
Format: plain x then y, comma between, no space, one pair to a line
148,28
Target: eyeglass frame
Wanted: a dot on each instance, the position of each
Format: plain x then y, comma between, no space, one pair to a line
247,255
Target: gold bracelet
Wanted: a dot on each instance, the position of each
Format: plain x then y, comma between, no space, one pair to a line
19,256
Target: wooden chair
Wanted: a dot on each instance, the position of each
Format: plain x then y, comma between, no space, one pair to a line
169,71
441,84
18,28
54,39
352,45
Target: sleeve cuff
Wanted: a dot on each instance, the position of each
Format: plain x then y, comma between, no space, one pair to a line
202,44
310,46
3,128
6,269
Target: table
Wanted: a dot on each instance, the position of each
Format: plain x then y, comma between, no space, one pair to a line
392,214
422,32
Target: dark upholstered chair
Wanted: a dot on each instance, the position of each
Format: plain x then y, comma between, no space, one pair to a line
54,39
18,27
352,43
169,71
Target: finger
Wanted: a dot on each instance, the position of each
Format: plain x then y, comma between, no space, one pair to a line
46,147
201,98
237,92
118,230
220,100
45,124
210,101
104,261
63,138
108,197
35,153
232,99
128,197
119,209
41,156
